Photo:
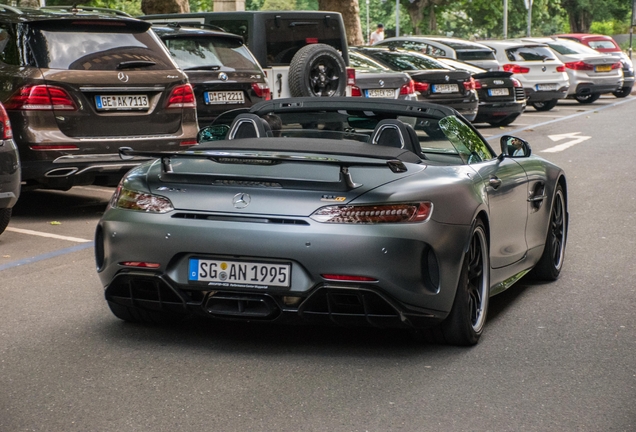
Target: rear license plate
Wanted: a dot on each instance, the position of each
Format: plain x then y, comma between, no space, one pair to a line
121,102
603,68
445,88
381,93
224,97
241,274
546,87
498,92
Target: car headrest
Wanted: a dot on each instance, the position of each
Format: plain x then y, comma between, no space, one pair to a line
394,133
249,125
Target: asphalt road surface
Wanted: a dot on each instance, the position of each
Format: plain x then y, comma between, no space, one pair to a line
554,357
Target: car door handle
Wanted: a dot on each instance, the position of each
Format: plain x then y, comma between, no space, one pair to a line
495,182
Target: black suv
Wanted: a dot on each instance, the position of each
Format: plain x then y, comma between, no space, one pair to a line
79,85
303,53
221,69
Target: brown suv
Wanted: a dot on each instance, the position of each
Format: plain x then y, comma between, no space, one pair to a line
77,86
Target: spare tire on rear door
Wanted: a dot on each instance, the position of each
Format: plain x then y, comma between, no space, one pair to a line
317,70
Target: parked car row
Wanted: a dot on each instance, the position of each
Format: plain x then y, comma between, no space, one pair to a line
549,68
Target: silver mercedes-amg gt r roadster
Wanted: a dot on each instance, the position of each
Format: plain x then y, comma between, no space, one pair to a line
342,211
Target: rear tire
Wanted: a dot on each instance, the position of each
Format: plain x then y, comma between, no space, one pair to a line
544,105
622,92
136,315
5,217
465,323
588,98
551,262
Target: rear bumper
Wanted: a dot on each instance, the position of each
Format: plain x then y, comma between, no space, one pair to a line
583,89
497,111
335,304
541,96
467,106
9,174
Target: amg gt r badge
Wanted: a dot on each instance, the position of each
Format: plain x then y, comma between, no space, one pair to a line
333,198
241,200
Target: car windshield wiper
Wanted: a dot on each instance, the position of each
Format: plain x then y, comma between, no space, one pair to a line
135,64
209,67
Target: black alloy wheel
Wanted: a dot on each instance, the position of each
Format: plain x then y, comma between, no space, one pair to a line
465,323
551,262
317,70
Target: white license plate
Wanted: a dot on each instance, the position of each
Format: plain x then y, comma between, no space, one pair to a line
603,68
224,97
546,87
121,102
445,88
381,93
239,274
498,92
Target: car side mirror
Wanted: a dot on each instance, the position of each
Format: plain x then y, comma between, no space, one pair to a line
515,147
213,133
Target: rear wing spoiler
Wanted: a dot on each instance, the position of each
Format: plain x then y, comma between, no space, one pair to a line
345,182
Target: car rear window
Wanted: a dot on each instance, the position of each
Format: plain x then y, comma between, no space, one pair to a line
476,55
102,47
602,44
206,52
566,47
286,36
530,53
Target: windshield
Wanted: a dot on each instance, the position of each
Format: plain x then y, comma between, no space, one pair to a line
359,61
530,53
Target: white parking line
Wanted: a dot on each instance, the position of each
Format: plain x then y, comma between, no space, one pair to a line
49,235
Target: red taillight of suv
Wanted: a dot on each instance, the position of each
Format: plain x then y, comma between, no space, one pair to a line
5,124
408,88
356,92
515,68
579,65
41,98
182,97
262,91
351,76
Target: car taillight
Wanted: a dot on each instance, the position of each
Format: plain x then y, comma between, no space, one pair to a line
477,84
355,91
41,98
408,88
516,83
5,124
560,68
262,91
618,65
421,86
515,68
132,200
182,97
579,65
374,214
351,76
470,85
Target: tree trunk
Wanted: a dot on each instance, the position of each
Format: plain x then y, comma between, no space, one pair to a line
164,6
350,11
416,13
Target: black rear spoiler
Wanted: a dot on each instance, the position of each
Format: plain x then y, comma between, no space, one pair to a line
345,182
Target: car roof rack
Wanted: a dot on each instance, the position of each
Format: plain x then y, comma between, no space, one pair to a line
81,8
